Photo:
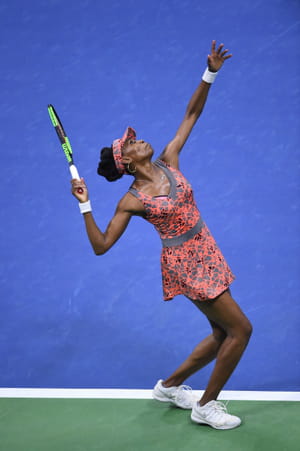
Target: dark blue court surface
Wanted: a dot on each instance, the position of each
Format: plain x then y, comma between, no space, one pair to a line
71,319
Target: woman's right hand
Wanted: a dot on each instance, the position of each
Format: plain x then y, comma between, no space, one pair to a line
79,190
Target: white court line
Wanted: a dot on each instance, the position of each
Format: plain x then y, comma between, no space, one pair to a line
87,393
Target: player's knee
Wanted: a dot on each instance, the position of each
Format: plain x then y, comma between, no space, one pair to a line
241,331
246,330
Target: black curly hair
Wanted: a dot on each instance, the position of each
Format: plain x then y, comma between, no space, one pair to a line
107,167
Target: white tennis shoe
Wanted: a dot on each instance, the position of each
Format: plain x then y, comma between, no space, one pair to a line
181,396
215,414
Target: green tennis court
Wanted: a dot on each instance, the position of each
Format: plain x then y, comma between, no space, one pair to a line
141,425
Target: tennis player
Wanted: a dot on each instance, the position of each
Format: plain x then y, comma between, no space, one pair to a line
191,262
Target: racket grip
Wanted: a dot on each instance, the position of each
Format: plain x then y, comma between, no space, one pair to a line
75,175
74,172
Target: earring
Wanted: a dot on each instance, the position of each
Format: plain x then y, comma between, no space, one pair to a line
131,171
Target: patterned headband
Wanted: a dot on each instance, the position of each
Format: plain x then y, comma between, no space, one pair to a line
117,148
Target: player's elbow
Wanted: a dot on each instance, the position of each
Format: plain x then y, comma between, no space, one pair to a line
100,251
100,247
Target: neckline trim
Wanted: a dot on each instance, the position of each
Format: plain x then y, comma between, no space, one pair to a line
170,177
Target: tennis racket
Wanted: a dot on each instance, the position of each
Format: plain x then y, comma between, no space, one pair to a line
65,143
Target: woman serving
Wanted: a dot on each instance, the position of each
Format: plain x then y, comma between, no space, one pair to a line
191,262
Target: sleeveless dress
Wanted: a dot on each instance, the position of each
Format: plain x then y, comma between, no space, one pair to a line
191,262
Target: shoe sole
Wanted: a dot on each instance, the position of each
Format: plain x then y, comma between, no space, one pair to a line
224,427
161,399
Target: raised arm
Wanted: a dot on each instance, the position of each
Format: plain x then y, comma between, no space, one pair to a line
100,241
195,107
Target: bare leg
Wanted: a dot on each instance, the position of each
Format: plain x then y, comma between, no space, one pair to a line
227,314
204,353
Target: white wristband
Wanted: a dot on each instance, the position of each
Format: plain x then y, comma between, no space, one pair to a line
208,76
85,207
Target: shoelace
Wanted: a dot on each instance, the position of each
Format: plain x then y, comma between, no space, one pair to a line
219,409
181,392
219,406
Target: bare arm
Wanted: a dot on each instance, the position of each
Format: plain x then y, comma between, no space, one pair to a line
100,241
194,108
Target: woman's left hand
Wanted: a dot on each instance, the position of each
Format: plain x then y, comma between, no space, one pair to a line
217,57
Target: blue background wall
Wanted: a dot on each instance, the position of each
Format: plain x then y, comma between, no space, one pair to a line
71,319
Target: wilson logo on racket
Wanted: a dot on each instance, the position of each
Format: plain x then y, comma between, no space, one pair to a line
67,152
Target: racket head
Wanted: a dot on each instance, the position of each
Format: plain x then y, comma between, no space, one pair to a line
62,136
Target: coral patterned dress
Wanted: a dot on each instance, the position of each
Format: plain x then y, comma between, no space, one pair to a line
191,262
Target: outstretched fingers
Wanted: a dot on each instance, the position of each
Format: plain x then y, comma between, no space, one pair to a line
219,52
213,48
222,53
224,56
